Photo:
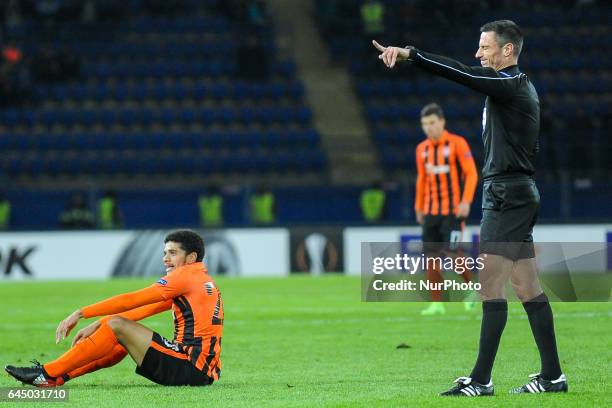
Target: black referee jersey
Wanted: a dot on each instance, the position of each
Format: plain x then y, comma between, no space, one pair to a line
511,116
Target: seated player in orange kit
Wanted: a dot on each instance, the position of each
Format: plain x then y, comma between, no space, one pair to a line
191,358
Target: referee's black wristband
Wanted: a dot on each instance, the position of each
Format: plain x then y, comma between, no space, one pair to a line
412,53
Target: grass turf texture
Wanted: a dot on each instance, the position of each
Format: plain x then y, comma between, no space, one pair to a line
307,341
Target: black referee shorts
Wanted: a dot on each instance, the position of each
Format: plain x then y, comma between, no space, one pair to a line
167,363
510,206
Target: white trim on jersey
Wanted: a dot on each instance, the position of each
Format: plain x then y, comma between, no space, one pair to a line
465,73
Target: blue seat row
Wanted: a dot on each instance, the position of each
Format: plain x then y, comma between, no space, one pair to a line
555,16
128,117
159,140
383,88
153,163
219,47
141,90
411,137
394,159
576,85
160,69
589,107
193,69
394,112
197,24
565,62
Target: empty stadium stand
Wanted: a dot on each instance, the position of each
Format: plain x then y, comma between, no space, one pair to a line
159,96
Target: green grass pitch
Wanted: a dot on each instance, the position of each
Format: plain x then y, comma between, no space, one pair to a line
307,341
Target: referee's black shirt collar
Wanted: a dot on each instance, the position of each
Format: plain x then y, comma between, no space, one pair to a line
512,69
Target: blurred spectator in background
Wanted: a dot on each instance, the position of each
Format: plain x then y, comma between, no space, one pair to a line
109,213
5,212
373,18
12,54
373,203
262,206
211,207
15,84
77,215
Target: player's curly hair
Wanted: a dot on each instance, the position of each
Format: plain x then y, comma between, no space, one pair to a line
190,241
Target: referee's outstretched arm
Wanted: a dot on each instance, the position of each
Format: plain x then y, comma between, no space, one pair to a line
486,80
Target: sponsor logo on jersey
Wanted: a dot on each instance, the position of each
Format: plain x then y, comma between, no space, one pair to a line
442,169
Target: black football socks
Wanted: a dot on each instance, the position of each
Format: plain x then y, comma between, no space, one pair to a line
543,329
494,317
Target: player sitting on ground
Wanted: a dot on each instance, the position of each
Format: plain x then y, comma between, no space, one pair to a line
191,358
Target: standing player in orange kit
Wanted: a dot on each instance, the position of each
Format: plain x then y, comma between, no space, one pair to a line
191,358
446,182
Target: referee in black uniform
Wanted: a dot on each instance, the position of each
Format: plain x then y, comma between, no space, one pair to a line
511,123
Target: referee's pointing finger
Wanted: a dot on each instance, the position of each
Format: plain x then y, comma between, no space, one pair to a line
378,46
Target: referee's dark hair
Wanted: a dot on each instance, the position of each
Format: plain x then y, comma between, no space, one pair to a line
432,109
506,31
190,241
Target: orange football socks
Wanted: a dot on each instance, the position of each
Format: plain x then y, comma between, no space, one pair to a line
99,345
110,360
